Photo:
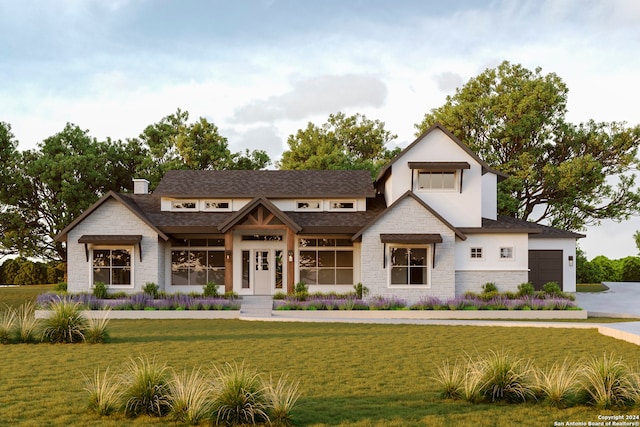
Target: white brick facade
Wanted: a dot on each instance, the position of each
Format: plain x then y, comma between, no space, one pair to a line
410,217
112,217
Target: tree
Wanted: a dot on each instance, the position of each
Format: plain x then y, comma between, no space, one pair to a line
174,143
54,184
563,174
353,142
636,237
8,158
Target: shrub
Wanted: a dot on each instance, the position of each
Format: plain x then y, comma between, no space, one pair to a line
489,288
26,324
146,392
96,330
61,287
210,290
607,382
66,324
526,289
558,384
631,269
240,396
104,392
100,290
301,291
281,398
505,379
361,290
190,397
151,289
552,289
279,296
7,323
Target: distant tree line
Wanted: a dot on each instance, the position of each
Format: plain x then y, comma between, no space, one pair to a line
22,271
603,269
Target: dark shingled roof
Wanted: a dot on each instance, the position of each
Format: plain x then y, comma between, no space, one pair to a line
505,224
269,184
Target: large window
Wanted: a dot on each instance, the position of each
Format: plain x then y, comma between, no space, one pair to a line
409,266
326,261
112,266
199,262
436,180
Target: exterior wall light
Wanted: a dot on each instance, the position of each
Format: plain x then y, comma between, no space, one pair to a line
290,255
570,260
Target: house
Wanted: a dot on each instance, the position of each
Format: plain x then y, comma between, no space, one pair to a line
427,226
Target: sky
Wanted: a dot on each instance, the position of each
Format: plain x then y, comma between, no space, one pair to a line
262,69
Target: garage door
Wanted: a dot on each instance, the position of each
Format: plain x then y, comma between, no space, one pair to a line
545,266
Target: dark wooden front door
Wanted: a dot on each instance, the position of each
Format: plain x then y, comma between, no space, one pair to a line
545,266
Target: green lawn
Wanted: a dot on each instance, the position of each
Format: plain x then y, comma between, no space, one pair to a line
590,287
350,374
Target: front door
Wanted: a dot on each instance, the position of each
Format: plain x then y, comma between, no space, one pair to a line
263,273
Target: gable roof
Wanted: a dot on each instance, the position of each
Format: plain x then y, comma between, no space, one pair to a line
62,236
410,194
266,183
258,201
485,166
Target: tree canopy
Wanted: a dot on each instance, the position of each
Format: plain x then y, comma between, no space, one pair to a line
560,173
353,142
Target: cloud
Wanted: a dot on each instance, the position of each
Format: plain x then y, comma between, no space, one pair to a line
448,81
316,95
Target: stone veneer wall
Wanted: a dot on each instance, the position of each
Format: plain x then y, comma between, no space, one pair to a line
408,216
113,218
504,280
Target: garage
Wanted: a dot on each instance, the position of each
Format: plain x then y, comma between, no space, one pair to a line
545,266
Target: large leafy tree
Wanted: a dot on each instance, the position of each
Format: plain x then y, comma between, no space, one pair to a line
174,143
51,186
353,142
8,158
560,173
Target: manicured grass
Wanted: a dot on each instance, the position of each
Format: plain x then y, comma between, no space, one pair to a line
591,287
14,296
350,374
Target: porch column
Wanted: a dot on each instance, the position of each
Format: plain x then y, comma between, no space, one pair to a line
291,262
228,261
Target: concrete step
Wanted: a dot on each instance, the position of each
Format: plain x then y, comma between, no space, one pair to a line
256,306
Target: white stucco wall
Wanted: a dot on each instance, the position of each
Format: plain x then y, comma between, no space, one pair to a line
568,247
113,218
408,216
490,196
460,208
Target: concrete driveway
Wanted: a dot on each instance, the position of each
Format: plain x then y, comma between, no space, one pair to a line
621,300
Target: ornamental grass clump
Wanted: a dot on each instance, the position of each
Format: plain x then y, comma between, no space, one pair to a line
607,382
26,329
65,324
7,324
558,384
281,398
190,397
96,329
146,391
450,378
240,396
505,379
105,392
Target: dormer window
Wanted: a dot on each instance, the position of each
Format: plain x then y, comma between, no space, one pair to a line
338,205
216,205
308,205
184,205
437,176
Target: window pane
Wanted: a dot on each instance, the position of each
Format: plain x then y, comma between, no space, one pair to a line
307,242
121,276
101,258
326,259
418,256
179,277
198,260
101,275
344,242
216,276
418,276
216,259
344,258
436,180
448,180
307,259
245,269
198,277
399,275
344,276
326,242
308,276
120,258
326,276
198,242
424,180
399,257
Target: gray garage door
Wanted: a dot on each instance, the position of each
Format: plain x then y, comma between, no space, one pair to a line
545,266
